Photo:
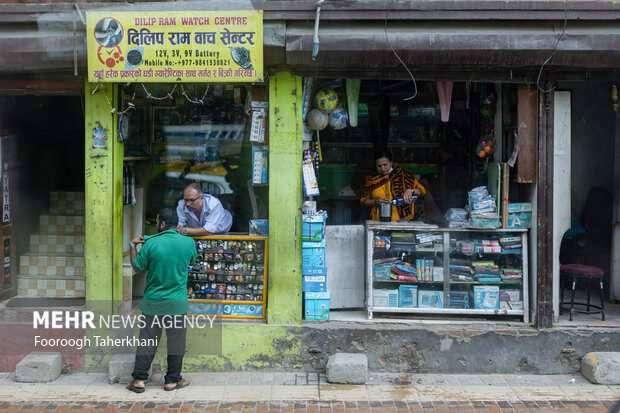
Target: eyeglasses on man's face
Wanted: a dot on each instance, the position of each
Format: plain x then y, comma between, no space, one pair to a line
191,200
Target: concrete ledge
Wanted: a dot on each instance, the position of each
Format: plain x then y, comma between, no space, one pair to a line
39,368
348,368
121,367
601,367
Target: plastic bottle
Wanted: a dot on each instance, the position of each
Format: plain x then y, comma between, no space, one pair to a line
399,200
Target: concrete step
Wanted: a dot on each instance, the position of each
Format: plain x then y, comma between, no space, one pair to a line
51,264
67,203
51,286
57,243
61,223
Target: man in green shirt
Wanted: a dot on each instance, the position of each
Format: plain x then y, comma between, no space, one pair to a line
166,255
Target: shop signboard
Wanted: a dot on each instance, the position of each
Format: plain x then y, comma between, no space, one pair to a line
222,46
6,199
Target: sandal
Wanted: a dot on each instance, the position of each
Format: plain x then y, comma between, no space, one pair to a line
178,385
130,386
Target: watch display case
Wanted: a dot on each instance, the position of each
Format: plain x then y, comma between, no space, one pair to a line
229,278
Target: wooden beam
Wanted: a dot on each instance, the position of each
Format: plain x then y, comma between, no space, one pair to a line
526,129
41,84
544,219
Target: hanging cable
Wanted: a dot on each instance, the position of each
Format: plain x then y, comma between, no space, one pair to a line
562,36
195,102
415,85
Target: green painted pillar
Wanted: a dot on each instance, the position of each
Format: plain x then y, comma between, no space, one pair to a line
285,194
103,198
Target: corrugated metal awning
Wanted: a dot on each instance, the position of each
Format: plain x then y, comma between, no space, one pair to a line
448,45
429,35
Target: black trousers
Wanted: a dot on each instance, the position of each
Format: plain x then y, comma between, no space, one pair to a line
151,334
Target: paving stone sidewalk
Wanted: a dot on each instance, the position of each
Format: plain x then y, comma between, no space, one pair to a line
310,393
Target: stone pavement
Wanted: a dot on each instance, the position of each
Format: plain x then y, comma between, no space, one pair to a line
309,393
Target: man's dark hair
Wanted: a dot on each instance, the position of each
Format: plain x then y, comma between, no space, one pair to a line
169,216
195,186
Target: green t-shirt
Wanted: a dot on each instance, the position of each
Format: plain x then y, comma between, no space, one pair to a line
166,256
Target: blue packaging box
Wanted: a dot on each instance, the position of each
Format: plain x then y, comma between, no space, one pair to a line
313,257
260,168
316,305
520,220
520,207
486,297
382,271
313,244
259,227
307,270
313,226
385,297
430,299
314,283
408,296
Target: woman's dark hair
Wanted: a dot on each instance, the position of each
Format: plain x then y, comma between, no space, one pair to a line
169,216
385,153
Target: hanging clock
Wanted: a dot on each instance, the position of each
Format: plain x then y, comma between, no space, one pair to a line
123,128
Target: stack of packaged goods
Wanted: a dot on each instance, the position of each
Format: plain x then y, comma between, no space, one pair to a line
459,299
512,274
460,270
385,269
520,215
487,246
510,299
511,244
314,270
457,218
483,208
486,271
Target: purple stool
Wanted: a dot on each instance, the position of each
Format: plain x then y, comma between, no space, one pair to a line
588,273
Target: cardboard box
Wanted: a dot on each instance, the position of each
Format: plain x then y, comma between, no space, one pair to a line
408,296
384,297
308,270
477,194
510,295
313,226
520,207
486,297
520,220
316,305
314,283
260,169
313,257
382,271
430,299
259,227
313,244
437,273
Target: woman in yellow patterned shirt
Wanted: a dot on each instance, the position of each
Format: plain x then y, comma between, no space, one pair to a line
389,182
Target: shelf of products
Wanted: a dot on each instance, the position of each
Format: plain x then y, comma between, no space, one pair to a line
413,268
229,278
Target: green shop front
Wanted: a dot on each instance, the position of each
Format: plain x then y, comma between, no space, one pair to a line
172,99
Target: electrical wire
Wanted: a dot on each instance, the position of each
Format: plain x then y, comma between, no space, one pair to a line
560,37
415,85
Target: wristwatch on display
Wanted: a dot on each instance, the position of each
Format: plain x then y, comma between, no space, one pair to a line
132,244
185,231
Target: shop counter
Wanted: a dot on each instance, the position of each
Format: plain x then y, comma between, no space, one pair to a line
229,278
420,269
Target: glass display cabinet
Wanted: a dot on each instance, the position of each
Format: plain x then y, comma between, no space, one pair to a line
412,268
